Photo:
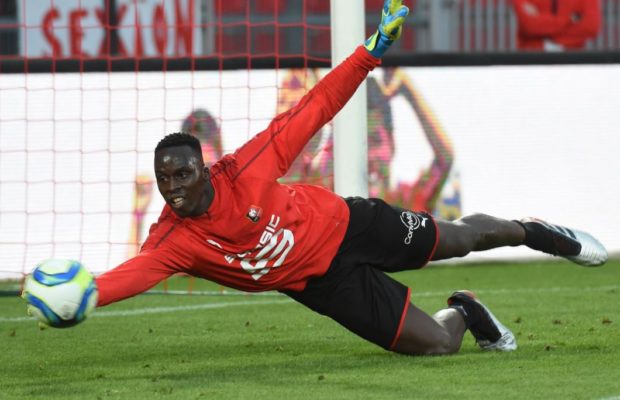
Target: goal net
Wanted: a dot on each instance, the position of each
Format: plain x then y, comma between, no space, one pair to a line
93,85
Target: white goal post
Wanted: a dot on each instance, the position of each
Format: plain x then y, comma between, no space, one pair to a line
350,125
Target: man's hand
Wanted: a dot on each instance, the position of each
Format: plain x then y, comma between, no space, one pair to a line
390,28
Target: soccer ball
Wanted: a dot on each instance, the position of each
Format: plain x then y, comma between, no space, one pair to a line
60,293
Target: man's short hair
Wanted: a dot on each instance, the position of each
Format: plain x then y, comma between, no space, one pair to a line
180,139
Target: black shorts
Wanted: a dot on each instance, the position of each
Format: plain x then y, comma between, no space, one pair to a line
355,291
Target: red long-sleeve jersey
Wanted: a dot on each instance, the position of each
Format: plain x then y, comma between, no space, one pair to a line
257,234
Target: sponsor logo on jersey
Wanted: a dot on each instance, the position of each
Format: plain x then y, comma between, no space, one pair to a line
412,222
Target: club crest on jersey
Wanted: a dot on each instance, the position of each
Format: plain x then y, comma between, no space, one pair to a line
254,213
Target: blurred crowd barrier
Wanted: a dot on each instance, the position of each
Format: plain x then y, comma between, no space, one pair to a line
278,27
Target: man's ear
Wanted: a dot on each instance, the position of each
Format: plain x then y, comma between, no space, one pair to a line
206,173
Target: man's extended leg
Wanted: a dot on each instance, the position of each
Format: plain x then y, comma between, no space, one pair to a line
479,232
475,232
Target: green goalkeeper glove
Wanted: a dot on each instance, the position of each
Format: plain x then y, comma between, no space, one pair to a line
390,28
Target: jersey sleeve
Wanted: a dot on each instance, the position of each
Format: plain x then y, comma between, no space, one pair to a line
134,276
270,154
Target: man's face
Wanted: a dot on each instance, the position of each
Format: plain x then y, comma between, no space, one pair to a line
182,180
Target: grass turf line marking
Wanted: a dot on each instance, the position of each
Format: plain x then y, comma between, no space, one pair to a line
232,293
162,310
155,310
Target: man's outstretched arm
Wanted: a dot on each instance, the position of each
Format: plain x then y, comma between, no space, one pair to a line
279,145
134,276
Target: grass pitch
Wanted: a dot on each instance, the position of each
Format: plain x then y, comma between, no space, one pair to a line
565,317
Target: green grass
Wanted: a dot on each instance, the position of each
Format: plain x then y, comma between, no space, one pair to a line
266,347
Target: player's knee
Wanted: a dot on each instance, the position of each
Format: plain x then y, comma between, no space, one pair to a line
456,239
474,227
477,220
463,238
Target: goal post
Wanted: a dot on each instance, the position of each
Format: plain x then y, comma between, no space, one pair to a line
350,125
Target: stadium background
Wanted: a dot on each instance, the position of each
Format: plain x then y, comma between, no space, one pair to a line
76,133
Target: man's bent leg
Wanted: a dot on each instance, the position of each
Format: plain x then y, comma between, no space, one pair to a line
422,334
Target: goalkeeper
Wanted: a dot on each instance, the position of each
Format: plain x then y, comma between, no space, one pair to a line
234,224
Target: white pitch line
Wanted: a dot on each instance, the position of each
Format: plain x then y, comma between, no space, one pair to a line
525,290
226,293
162,310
